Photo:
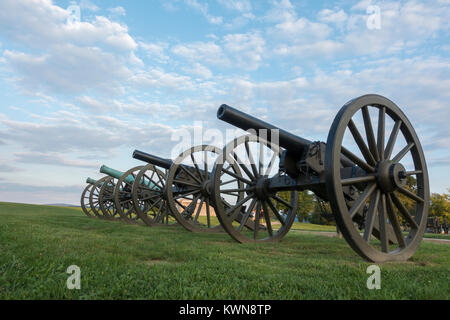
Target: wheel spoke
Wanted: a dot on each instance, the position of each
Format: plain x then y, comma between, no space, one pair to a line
183,195
410,173
392,139
190,174
371,214
208,214
275,211
180,204
250,157
193,203
277,198
361,144
246,215
239,204
234,175
150,197
362,199
227,182
383,224
381,129
356,180
369,133
257,217
243,166
161,179
261,158
205,159
186,183
403,211
198,210
154,204
196,167
267,218
271,163
410,195
361,163
234,190
403,152
394,222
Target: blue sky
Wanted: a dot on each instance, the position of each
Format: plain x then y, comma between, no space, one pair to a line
131,74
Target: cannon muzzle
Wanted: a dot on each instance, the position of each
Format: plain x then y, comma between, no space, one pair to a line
149,158
288,141
91,181
116,174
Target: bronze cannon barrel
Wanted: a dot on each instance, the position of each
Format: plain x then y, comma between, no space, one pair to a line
244,121
155,160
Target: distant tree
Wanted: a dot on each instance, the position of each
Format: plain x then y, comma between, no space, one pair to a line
305,203
322,213
440,205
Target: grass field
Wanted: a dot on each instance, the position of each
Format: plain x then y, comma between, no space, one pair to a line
120,261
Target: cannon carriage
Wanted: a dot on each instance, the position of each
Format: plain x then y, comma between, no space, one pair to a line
364,181
186,190
91,198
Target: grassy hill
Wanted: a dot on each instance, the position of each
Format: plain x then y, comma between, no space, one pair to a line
119,261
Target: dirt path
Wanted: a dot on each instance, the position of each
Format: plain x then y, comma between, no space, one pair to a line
333,234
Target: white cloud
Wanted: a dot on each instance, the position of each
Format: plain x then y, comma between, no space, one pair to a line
200,70
207,52
238,5
302,30
155,51
246,49
53,158
42,24
118,11
68,69
404,26
65,57
158,78
330,16
203,9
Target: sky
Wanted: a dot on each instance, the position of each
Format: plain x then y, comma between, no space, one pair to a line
84,83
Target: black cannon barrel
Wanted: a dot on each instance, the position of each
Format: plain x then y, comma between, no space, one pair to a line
155,160
288,141
244,121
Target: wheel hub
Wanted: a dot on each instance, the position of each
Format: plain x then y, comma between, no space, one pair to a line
206,188
390,176
260,188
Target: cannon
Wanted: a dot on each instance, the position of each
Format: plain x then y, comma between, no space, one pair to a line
363,176
99,198
85,198
186,189
116,199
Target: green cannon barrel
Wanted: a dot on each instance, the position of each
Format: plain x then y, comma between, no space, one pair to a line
116,174
129,179
91,181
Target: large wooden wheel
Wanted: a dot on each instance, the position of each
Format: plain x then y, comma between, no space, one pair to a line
85,201
106,200
123,199
255,217
148,194
190,191
94,197
389,189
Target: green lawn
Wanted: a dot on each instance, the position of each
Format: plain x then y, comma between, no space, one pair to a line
122,261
